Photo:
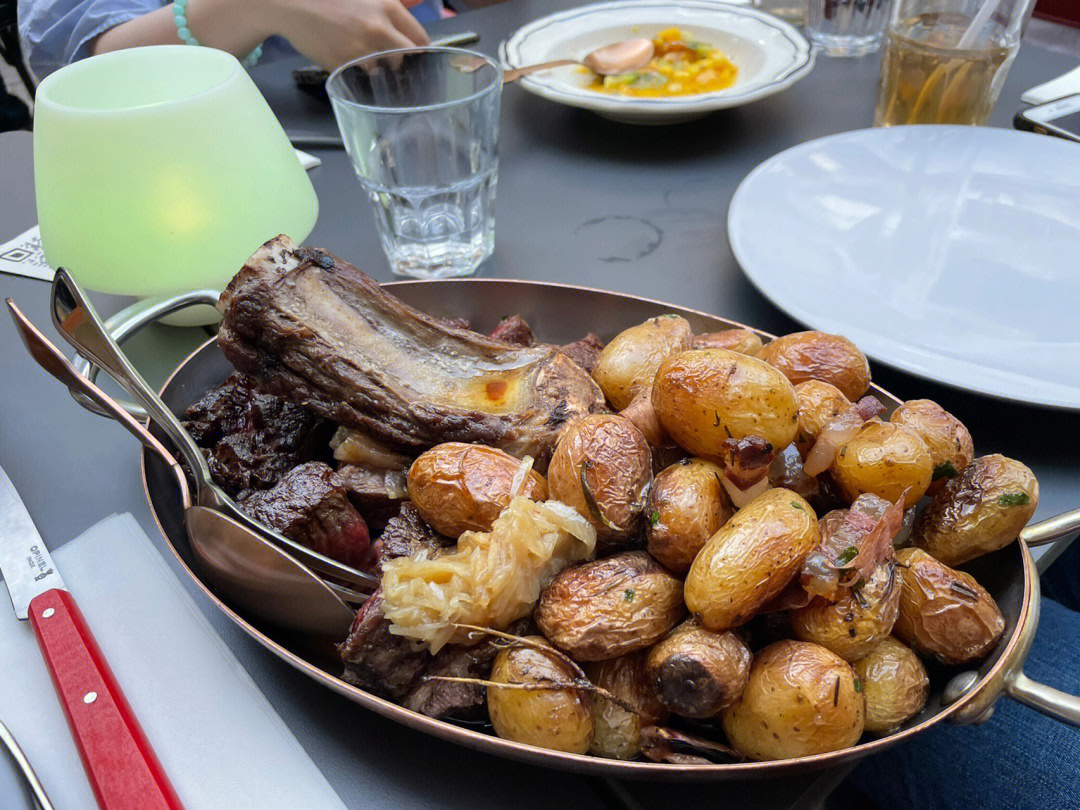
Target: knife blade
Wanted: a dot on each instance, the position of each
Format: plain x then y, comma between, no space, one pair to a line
123,770
24,561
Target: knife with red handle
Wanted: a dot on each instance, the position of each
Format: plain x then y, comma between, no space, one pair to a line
123,770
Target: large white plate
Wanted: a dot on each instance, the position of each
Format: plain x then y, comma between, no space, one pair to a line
770,54
952,253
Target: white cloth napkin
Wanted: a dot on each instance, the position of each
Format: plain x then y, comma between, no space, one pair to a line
218,738
1064,85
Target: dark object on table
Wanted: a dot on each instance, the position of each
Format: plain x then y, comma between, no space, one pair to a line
378,494
309,505
515,331
378,661
251,439
406,534
395,373
584,352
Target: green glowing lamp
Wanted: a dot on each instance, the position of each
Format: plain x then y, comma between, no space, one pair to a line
161,169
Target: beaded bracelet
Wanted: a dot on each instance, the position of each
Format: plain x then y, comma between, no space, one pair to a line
182,30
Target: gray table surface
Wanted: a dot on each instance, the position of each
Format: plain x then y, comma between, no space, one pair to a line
580,200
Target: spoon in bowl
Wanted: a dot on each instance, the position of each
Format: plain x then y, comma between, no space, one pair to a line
619,57
256,575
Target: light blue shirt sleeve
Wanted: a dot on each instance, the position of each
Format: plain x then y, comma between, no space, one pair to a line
57,32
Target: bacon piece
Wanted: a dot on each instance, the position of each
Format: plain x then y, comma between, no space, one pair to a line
837,432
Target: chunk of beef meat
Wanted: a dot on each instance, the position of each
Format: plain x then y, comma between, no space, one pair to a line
309,505
515,331
377,494
406,534
375,659
250,438
464,701
316,330
584,352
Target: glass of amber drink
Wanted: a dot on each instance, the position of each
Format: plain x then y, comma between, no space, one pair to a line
944,61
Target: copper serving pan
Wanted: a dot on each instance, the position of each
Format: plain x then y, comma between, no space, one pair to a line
560,314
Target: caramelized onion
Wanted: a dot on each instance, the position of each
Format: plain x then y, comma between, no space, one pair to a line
837,432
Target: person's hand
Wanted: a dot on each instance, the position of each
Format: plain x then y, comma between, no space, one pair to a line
331,32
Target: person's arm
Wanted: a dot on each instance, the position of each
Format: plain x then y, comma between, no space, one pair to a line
236,26
329,32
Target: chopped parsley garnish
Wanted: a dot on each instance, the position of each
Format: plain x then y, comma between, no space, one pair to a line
628,595
798,506
1014,499
858,685
847,555
654,518
945,470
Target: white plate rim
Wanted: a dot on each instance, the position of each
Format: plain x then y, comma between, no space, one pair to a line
966,375
800,63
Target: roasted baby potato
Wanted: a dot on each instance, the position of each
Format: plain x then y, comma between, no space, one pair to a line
616,731
736,340
980,511
559,719
705,396
610,607
944,612
803,356
945,436
696,673
601,467
853,625
628,364
884,459
751,559
894,683
685,507
800,700
818,403
463,487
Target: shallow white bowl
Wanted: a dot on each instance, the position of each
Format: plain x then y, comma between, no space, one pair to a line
770,54
948,252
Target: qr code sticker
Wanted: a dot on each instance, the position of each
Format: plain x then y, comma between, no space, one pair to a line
17,255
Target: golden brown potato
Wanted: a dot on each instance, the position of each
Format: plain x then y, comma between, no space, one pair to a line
980,511
610,607
833,359
705,396
948,441
800,700
818,403
853,625
559,719
944,612
736,340
884,459
628,364
616,731
463,487
685,507
751,559
696,673
894,683
611,458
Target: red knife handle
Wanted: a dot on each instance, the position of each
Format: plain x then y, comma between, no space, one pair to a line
124,772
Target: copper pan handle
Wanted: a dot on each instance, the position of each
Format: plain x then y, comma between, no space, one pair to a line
1047,531
1010,679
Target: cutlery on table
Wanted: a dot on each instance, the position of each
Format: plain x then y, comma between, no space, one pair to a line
123,770
41,798
255,573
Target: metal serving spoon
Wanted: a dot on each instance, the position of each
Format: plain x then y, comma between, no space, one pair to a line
255,574
78,322
619,57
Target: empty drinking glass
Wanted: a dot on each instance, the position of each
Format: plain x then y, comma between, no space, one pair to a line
846,27
421,127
